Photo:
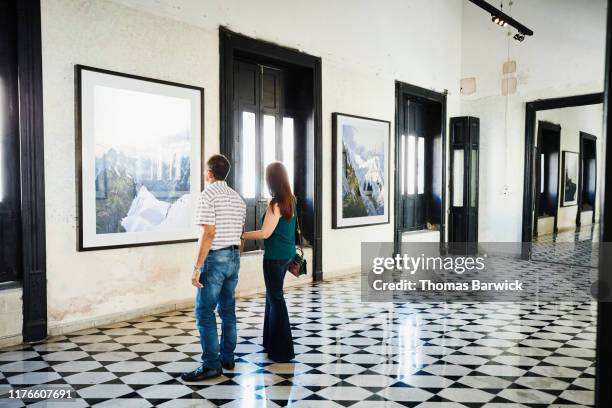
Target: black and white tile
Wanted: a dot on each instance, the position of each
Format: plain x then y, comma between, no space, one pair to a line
348,353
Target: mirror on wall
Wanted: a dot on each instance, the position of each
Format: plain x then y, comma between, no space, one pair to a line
568,179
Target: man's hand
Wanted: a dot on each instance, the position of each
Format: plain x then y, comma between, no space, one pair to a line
208,235
195,278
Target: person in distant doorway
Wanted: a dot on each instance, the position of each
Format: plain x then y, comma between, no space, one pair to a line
221,212
278,233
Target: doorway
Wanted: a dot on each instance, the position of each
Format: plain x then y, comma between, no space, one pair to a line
547,178
420,166
271,110
10,185
22,187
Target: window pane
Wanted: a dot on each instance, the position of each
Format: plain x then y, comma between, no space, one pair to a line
541,173
421,166
411,165
458,177
248,155
269,139
288,147
403,165
474,178
269,147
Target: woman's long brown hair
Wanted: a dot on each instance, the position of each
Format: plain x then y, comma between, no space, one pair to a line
280,189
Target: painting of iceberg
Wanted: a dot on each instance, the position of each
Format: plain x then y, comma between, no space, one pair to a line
361,161
140,159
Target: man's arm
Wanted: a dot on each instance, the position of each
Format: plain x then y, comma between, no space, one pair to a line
208,234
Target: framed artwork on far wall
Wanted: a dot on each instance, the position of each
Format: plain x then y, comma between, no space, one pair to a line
571,168
360,192
138,159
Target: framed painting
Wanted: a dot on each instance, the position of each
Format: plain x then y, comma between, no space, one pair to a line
570,179
360,192
138,158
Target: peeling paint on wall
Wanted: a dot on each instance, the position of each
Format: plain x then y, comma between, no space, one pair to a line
468,86
508,86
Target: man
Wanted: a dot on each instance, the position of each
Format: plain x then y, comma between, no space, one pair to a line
221,213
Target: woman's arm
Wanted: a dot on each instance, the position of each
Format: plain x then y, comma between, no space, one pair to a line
270,222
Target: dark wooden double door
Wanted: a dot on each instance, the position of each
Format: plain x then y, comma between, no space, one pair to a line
464,164
10,188
419,165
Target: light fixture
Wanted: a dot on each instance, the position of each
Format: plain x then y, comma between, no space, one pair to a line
503,20
499,21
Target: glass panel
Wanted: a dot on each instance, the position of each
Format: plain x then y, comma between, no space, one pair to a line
2,164
458,177
269,147
542,173
403,165
592,175
288,137
474,178
411,165
421,166
4,110
269,139
248,155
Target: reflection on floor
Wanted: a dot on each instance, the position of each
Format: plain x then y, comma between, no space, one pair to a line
579,247
356,354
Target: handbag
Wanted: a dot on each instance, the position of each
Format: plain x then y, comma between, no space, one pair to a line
297,266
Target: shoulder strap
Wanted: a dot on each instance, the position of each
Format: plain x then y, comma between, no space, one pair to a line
299,230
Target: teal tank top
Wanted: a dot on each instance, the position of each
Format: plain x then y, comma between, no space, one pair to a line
281,244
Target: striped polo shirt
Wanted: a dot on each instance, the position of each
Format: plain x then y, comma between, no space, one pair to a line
222,207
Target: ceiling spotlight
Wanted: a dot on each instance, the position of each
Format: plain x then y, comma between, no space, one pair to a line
502,19
498,21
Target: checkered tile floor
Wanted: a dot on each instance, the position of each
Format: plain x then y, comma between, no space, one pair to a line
570,247
348,353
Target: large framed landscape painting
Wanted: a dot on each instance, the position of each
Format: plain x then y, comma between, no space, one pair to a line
570,179
139,159
360,193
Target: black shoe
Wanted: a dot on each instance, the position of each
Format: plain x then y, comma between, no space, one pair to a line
228,365
202,373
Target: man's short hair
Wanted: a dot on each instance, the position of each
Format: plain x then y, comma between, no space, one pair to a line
219,165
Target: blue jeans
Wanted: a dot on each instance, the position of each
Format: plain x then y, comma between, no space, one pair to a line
219,275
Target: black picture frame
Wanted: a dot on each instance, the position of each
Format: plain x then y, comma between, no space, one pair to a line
78,70
564,155
335,175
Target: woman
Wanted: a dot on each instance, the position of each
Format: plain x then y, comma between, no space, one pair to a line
278,233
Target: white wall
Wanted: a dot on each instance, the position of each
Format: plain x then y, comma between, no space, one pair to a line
11,315
364,47
573,121
565,57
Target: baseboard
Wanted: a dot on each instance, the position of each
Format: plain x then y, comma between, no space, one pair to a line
10,341
341,273
61,328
